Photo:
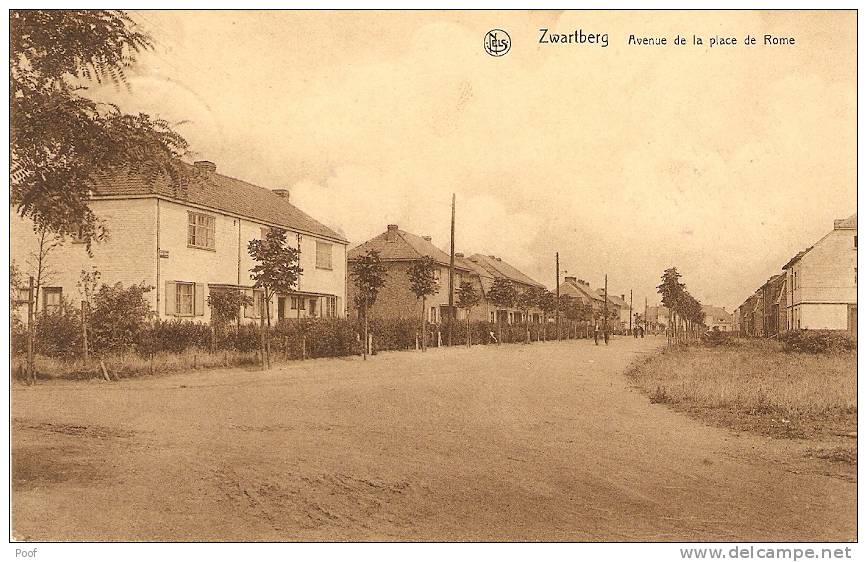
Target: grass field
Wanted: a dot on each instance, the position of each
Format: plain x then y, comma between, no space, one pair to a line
753,385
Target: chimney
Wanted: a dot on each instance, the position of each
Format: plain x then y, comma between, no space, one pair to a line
392,227
281,192
205,166
459,255
623,298
569,279
426,238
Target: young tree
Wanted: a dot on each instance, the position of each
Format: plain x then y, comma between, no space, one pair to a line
548,304
468,299
368,276
525,300
60,139
502,294
39,264
671,290
276,271
423,282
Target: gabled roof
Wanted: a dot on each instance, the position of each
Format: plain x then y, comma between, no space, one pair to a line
796,257
612,298
399,245
582,289
215,191
716,313
485,277
498,268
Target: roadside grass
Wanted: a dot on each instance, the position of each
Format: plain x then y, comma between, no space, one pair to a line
133,365
753,385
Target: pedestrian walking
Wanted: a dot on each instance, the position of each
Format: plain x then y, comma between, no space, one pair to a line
596,333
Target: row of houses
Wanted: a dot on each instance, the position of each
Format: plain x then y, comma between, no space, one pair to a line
189,240
715,318
399,249
816,290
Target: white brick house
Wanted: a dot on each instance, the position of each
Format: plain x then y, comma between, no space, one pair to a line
823,281
191,240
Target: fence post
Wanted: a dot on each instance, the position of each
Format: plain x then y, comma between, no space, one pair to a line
84,331
303,347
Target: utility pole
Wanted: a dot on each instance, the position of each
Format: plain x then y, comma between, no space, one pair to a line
452,275
630,311
557,285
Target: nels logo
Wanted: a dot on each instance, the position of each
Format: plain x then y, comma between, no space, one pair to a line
497,42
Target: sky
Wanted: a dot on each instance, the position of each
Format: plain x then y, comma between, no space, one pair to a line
626,159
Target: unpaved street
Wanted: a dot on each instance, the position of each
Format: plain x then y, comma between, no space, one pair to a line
538,442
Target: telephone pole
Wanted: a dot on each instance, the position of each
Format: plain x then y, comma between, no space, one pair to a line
630,311
452,275
557,285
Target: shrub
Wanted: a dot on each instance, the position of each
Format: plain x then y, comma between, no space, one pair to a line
119,317
817,341
58,334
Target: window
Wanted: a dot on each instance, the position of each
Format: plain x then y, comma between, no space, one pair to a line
313,307
323,255
294,303
184,299
331,304
51,297
259,302
263,232
200,231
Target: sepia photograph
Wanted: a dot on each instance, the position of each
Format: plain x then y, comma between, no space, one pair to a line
438,276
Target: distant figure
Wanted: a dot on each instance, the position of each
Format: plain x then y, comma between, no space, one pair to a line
641,331
605,334
635,332
596,334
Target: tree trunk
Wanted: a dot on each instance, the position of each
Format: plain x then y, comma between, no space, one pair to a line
364,345
423,324
469,334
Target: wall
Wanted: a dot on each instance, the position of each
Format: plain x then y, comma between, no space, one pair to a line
127,256
823,316
827,272
230,262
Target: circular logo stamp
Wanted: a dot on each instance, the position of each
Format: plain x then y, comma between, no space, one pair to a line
497,42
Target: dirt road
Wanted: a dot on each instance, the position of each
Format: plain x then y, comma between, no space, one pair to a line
538,442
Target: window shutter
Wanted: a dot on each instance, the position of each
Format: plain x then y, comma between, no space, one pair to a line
171,288
199,303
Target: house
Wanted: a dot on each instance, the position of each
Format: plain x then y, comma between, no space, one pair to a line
657,318
580,289
774,299
398,250
716,318
494,267
619,308
188,239
822,281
